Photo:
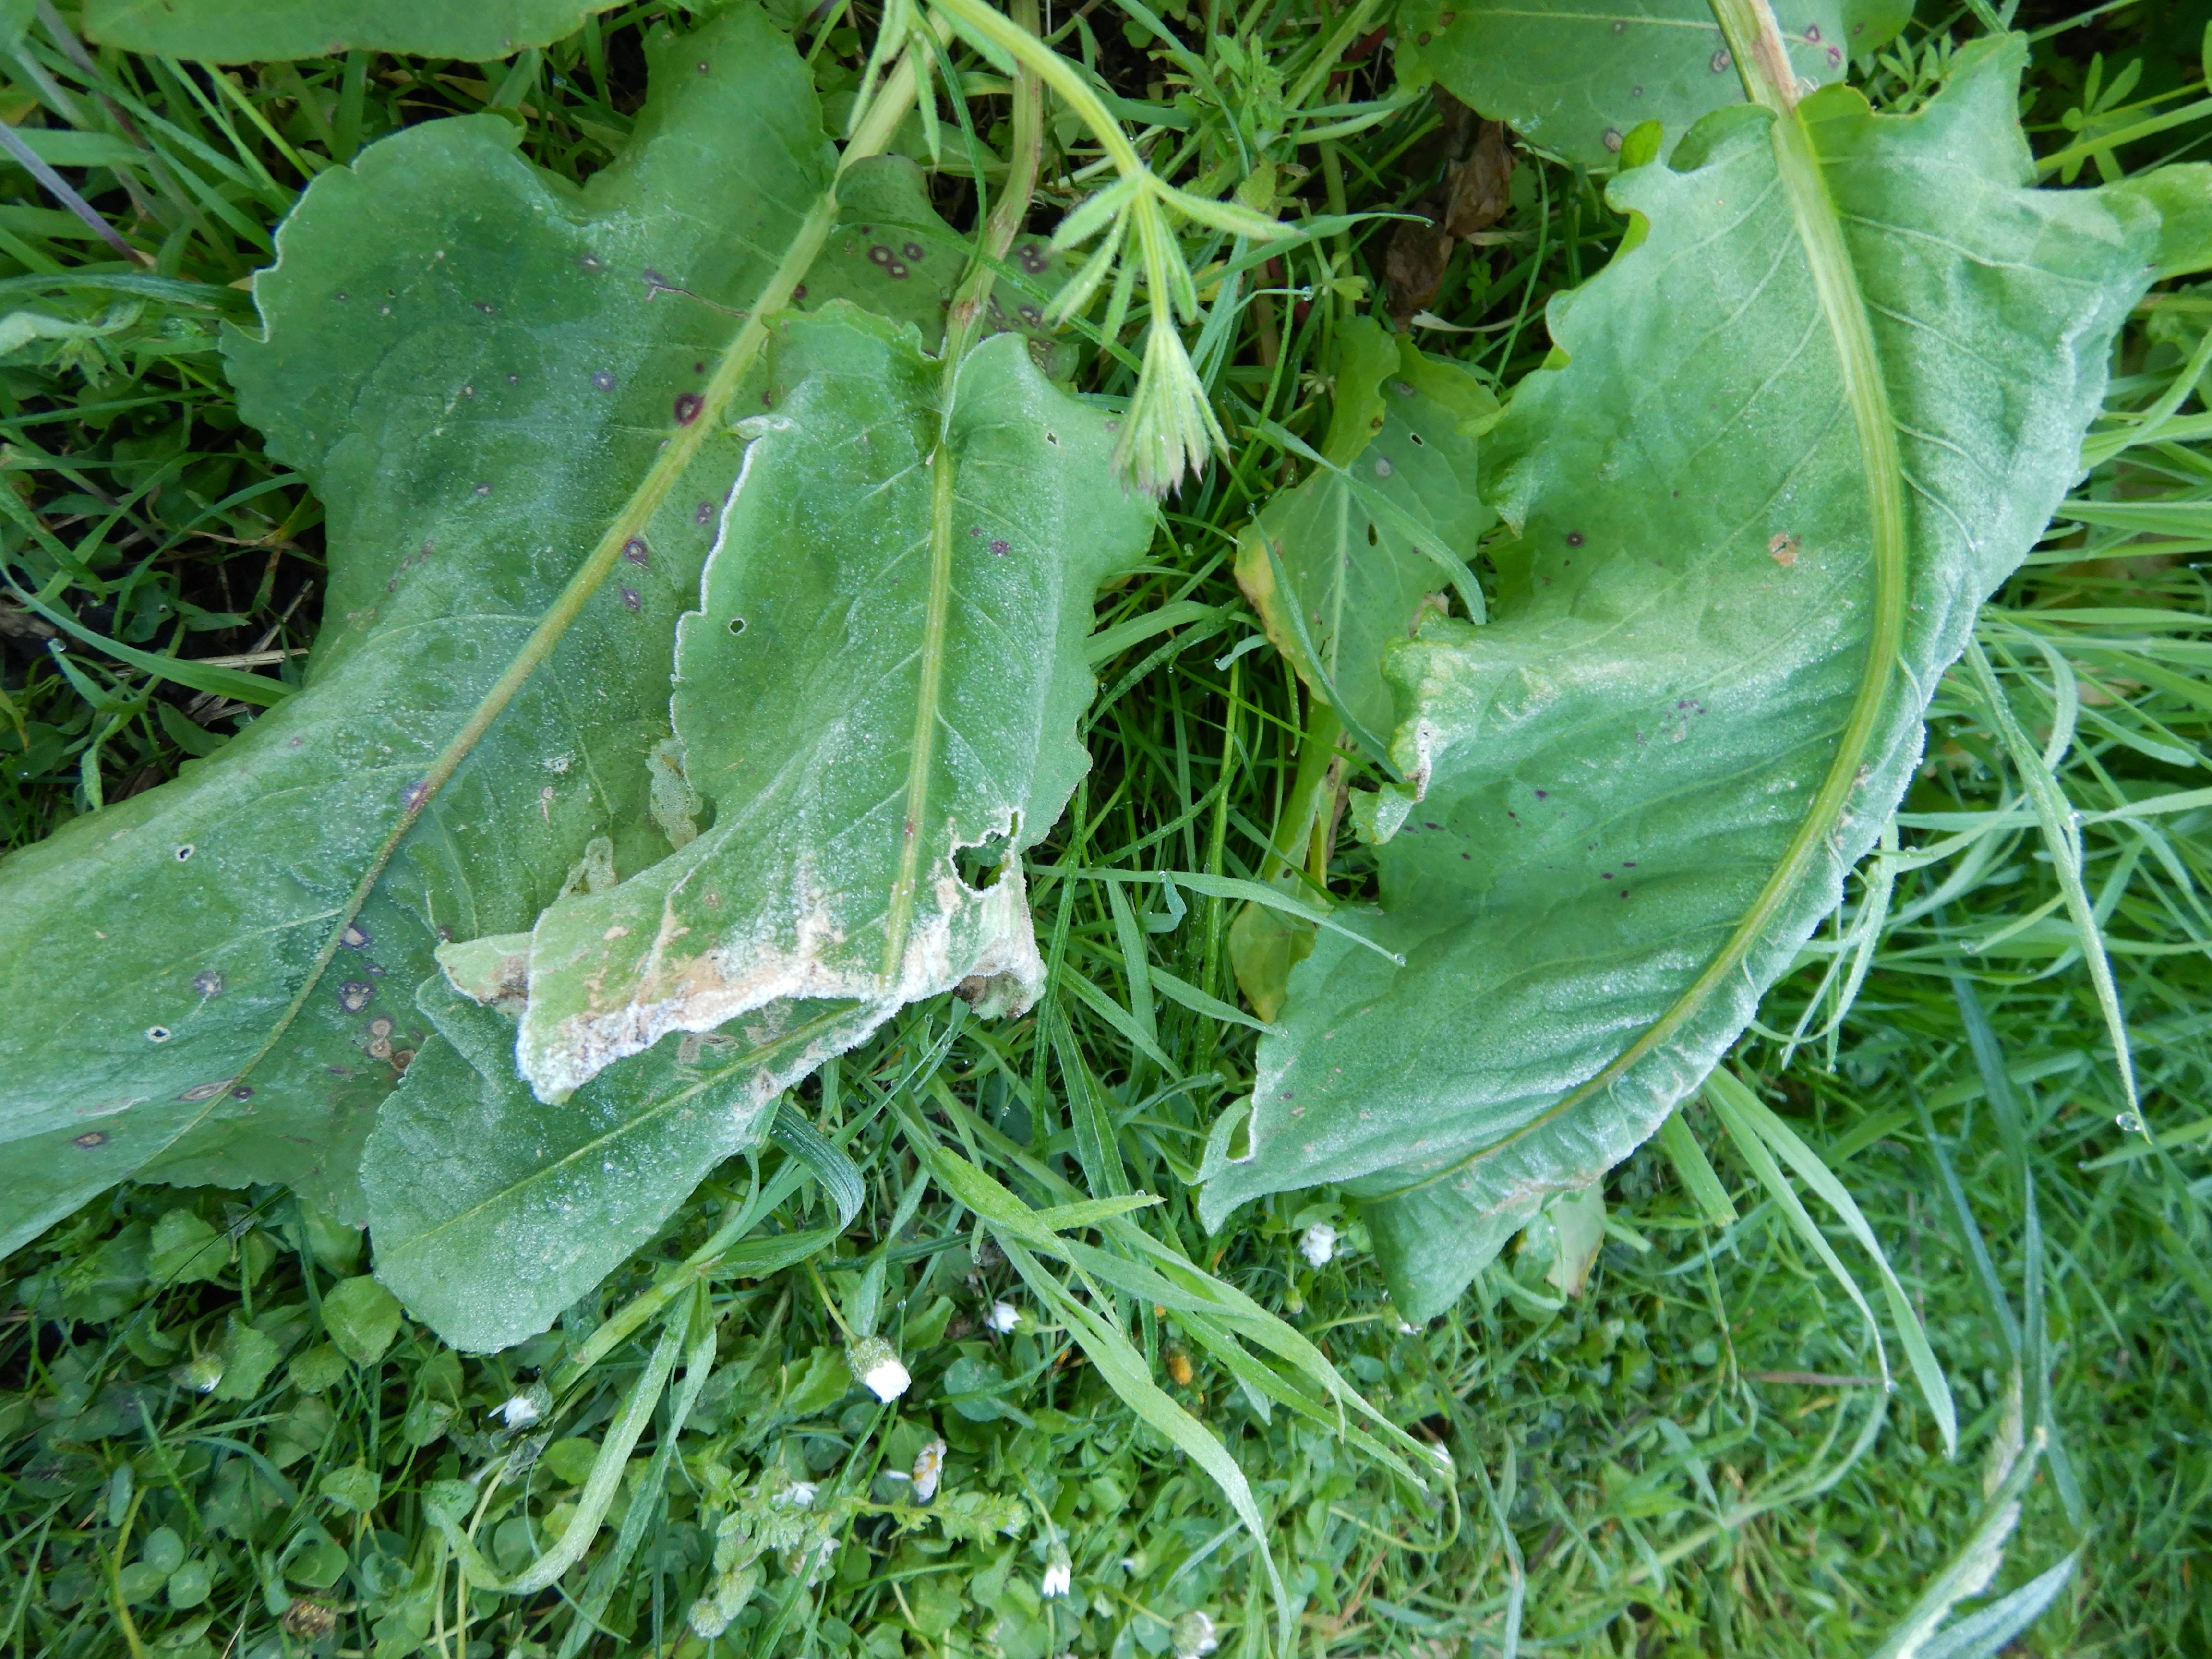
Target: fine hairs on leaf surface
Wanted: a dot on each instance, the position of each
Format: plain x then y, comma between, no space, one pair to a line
482,369
1700,695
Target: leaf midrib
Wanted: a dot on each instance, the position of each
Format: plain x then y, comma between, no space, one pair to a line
1749,28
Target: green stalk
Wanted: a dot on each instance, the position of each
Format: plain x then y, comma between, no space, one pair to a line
961,324
874,134
1317,747
1756,44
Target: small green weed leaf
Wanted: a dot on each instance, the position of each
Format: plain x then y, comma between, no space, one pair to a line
355,1487
1645,780
886,669
189,1584
510,393
823,1381
570,1458
185,1249
314,1369
224,32
248,1357
1333,567
1576,79
491,1211
362,1317
163,1551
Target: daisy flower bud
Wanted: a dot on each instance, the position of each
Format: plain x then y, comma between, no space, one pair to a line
875,1363
1003,1317
204,1374
706,1619
1059,1571
1193,1636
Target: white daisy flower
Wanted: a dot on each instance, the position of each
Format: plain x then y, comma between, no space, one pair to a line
1318,1244
928,1470
1003,1317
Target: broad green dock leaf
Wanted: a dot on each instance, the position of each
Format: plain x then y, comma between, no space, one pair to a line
492,1212
1398,471
1577,79
1756,516
885,672
228,31
509,394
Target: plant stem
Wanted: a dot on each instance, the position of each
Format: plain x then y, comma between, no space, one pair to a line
1012,207
1317,751
1023,45
961,324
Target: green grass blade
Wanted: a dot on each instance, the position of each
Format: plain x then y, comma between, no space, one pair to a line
1750,1121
